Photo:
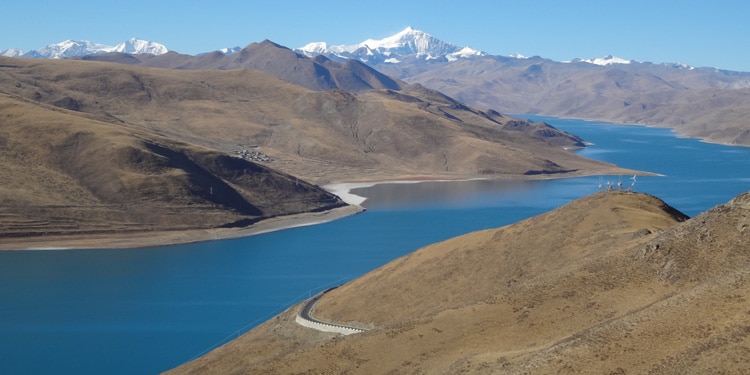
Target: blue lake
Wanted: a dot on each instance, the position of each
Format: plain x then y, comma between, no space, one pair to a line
143,311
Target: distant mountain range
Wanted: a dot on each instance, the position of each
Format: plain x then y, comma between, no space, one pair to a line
411,44
319,73
408,44
77,48
708,103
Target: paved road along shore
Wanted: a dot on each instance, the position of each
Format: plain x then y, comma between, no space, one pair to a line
305,318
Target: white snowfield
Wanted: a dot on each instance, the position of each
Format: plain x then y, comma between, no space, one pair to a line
607,60
73,48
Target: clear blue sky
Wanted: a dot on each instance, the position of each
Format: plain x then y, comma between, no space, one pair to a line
701,33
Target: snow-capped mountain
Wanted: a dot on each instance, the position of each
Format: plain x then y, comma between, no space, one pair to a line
606,60
138,46
70,48
409,43
74,48
229,51
679,66
611,60
13,52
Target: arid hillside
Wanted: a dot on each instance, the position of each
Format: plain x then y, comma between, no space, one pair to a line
616,282
706,103
320,136
703,102
268,57
94,149
66,173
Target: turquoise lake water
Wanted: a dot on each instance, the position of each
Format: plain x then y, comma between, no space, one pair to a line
143,311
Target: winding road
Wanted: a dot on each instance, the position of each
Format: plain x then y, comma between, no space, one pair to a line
305,318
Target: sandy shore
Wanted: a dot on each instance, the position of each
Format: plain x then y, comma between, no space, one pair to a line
343,191
165,238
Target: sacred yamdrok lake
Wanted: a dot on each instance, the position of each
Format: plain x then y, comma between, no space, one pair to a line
143,311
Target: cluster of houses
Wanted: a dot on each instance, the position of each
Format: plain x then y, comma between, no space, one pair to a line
255,156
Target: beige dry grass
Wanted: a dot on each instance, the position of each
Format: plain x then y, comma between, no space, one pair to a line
611,283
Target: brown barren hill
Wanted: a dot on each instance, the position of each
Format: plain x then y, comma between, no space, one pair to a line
321,136
68,176
707,103
616,282
318,73
95,149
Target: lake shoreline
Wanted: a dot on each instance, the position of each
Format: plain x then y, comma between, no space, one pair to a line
678,131
163,305
179,237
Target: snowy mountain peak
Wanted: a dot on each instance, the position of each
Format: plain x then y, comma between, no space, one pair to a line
315,48
70,48
606,60
409,42
679,66
12,52
74,48
409,30
140,46
463,53
229,51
